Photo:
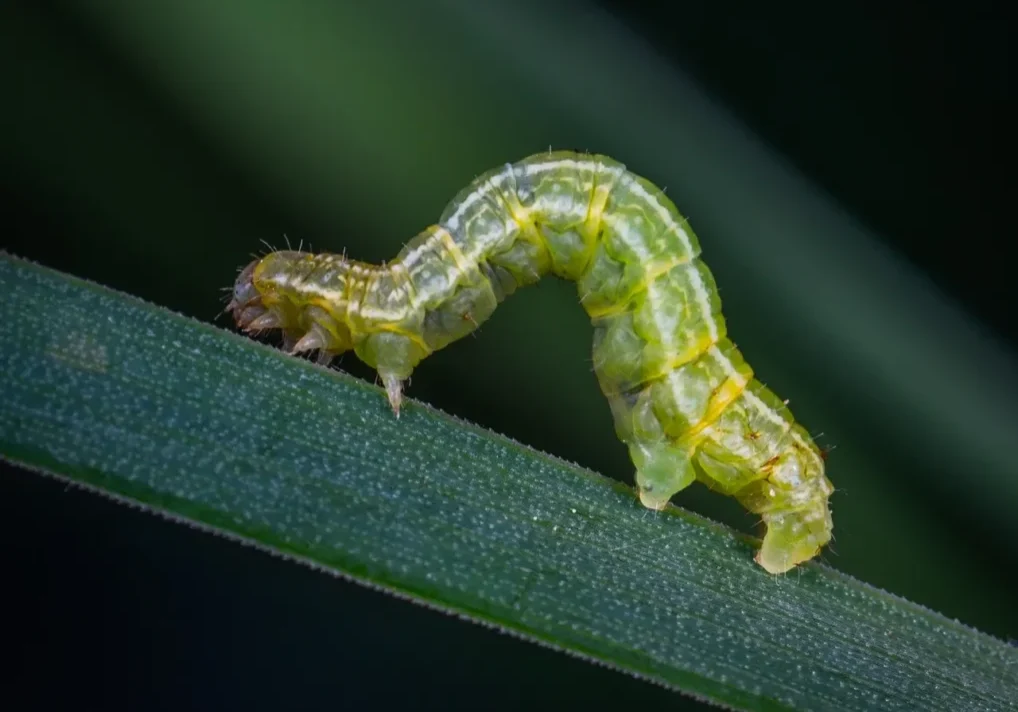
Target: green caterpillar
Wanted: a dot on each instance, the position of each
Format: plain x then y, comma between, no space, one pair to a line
683,400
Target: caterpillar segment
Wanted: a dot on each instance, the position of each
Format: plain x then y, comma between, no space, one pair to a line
683,399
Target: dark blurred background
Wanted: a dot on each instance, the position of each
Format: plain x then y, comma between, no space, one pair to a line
841,165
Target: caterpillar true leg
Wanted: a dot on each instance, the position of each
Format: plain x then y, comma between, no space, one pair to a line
683,400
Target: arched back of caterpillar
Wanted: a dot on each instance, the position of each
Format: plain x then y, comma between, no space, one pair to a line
683,399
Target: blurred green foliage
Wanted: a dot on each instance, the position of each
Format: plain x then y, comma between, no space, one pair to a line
155,146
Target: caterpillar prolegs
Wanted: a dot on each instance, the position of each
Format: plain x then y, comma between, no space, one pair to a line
683,400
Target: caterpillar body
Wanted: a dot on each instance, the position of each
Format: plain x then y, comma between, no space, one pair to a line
683,399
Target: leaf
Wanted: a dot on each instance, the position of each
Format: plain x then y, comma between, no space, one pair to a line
224,433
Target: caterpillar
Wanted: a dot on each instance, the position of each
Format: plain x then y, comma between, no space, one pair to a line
683,400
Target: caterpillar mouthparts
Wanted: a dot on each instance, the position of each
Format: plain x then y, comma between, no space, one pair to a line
246,305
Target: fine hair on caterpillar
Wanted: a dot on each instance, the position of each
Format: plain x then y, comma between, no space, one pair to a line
683,400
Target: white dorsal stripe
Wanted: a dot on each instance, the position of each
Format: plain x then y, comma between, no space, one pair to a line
667,217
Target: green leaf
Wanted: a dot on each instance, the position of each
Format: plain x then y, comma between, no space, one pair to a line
225,433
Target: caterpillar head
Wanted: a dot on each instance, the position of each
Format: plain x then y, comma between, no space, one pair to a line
328,304
301,294
246,305
270,294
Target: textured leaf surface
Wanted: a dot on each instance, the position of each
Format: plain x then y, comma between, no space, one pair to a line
210,427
